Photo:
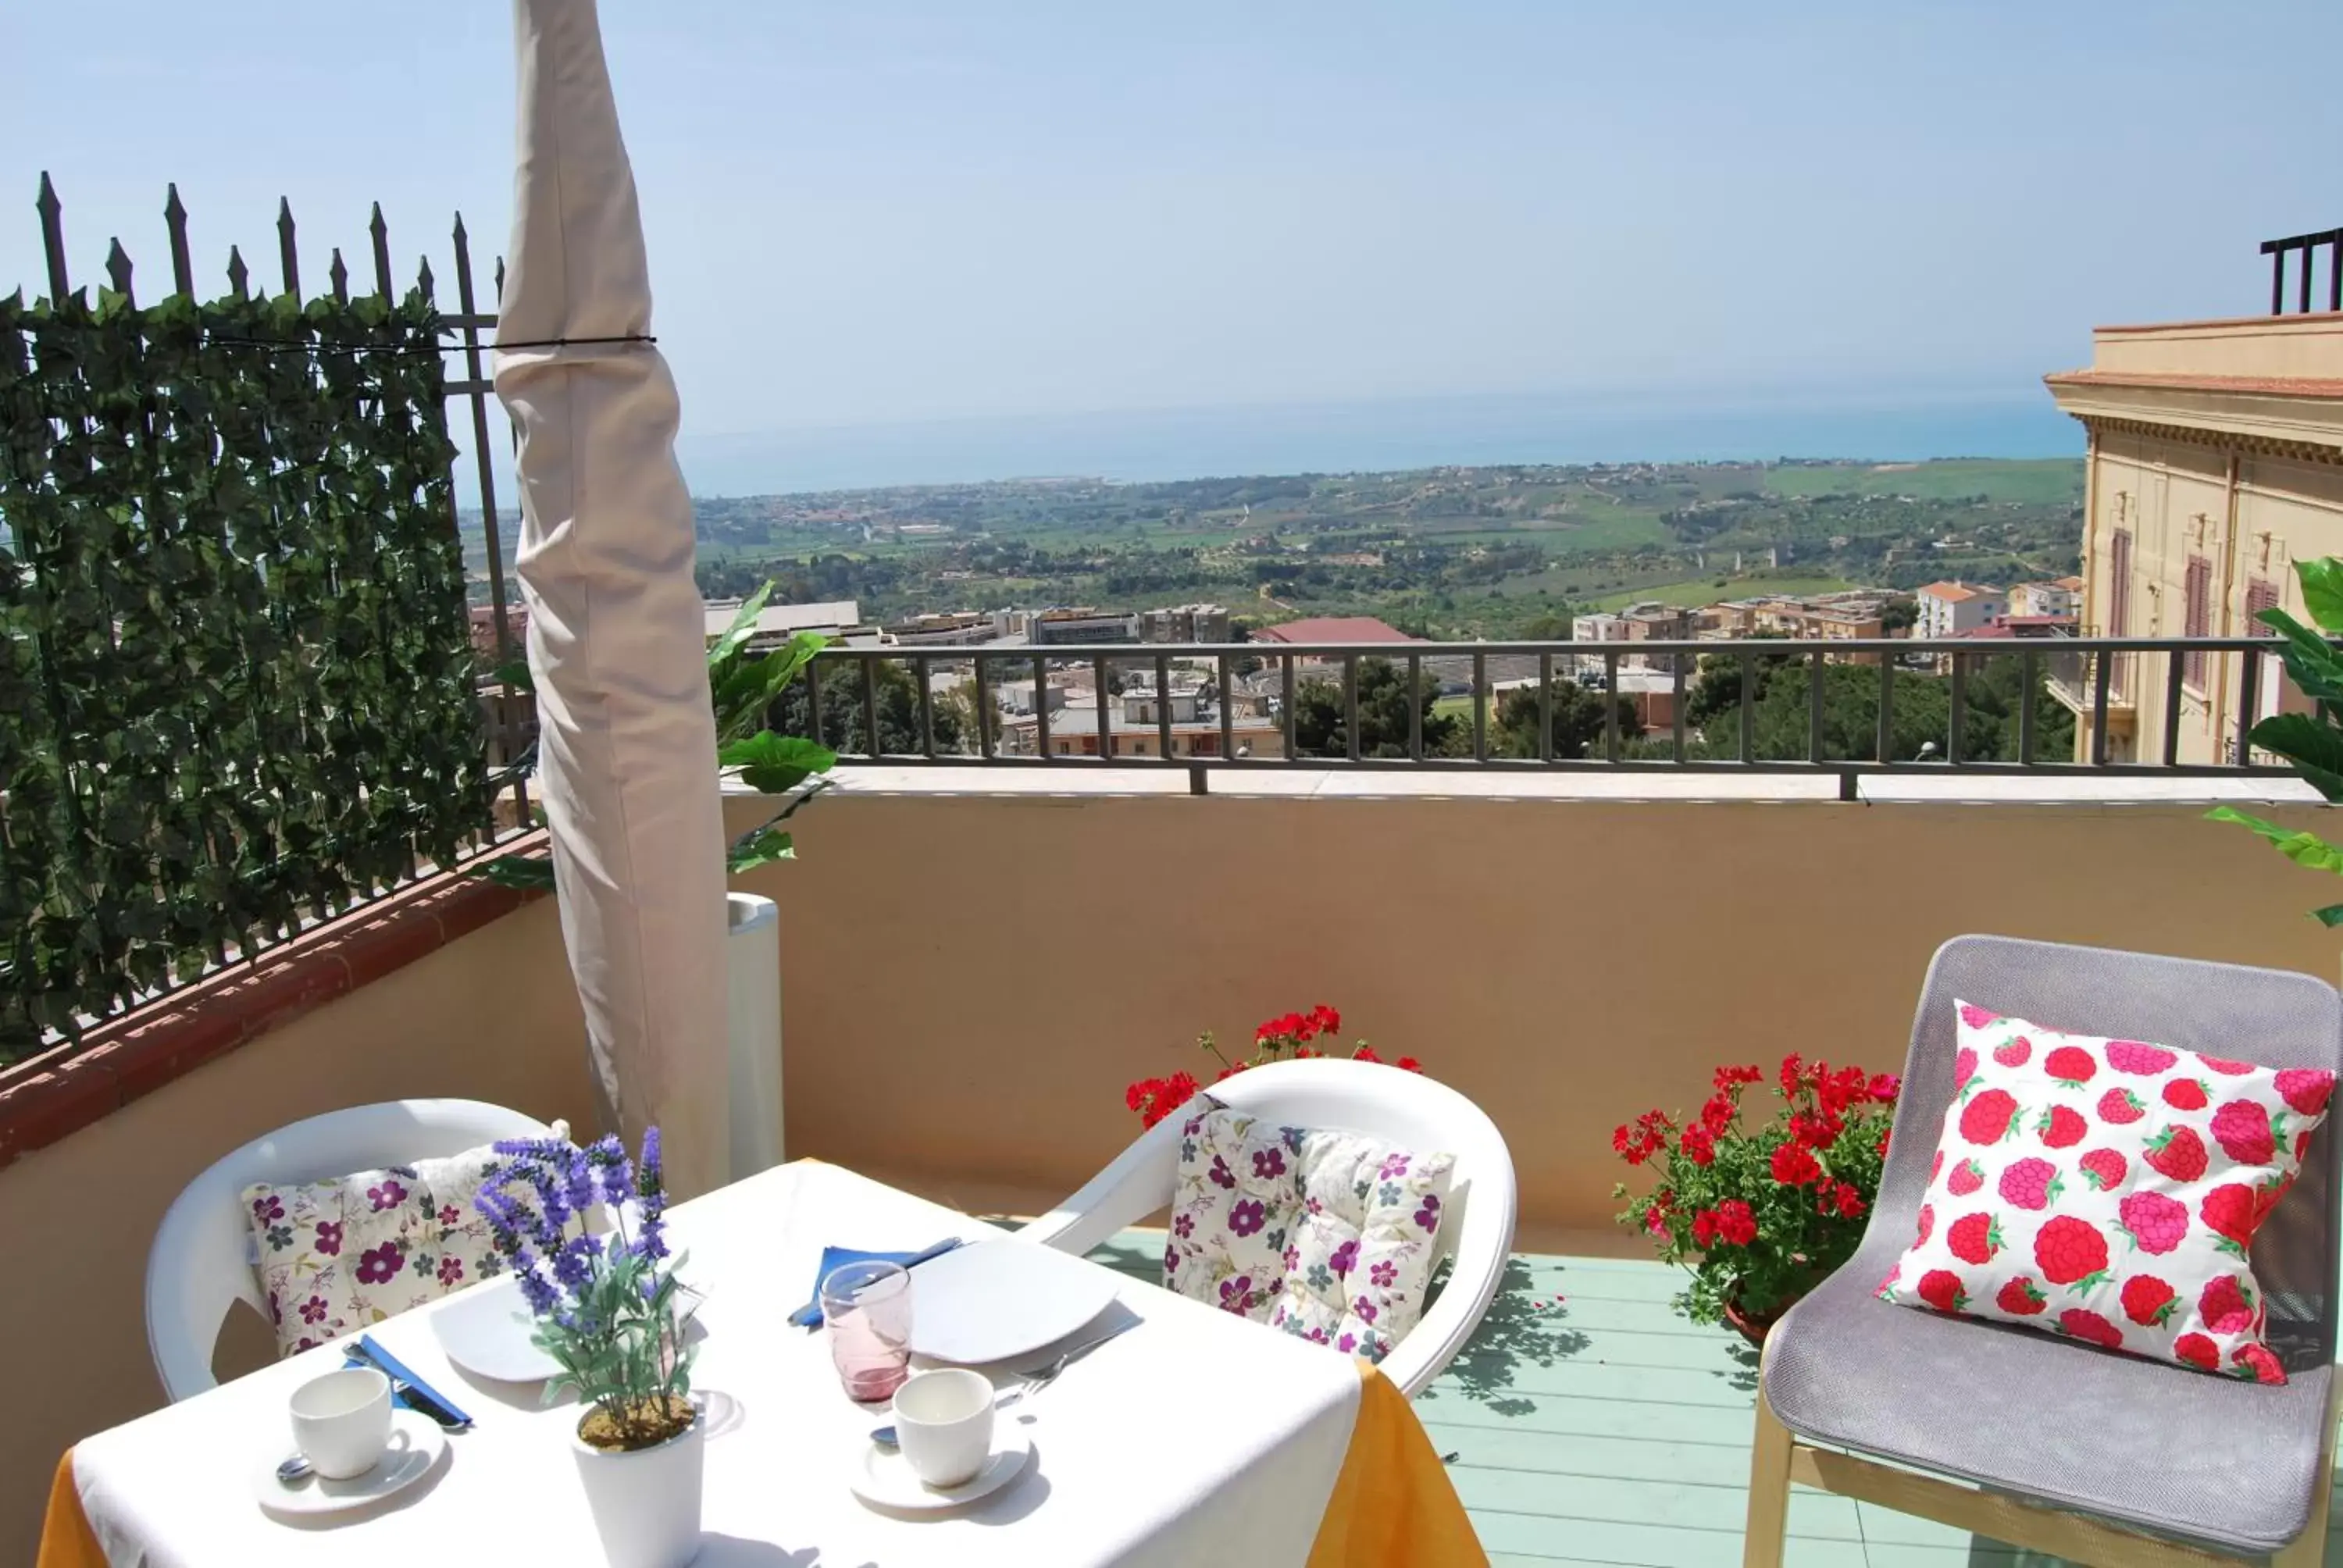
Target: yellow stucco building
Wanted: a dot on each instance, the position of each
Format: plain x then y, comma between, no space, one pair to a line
2214,462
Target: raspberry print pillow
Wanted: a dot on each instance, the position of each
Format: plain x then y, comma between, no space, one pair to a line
2108,1190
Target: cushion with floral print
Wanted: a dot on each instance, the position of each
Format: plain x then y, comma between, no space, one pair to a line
1327,1234
1232,1211
2109,1189
1366,1242
338,1256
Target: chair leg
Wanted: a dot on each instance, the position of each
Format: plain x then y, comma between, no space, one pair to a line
1769,1491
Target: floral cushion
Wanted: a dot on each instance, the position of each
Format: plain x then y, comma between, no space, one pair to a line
336,1256
2108,1190
1327,1234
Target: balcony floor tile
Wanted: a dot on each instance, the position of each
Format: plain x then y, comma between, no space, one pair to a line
1587,1422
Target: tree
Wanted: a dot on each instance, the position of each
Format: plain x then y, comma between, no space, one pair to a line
843,727
1920,712
1991,720
1578,720
1318,715
1714,690
1901,614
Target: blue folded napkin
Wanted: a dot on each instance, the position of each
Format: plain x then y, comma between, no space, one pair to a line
834,1258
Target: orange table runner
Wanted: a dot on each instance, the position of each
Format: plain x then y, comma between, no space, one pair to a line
1393,1505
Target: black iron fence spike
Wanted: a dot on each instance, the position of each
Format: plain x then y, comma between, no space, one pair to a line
288,256
174,220
53,237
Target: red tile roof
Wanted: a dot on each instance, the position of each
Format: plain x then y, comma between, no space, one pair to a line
1334,629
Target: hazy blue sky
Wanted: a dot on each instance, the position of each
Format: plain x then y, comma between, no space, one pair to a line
880,212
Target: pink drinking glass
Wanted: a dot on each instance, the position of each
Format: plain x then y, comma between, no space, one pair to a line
868,1307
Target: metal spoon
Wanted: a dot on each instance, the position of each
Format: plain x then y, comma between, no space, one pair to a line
294,1470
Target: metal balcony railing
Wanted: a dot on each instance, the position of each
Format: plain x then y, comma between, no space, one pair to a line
1646,734
2277,250
2071,670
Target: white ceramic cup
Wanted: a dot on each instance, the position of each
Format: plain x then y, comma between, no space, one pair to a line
943,1422
341,1421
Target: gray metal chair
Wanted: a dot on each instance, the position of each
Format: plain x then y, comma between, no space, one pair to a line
2098,1457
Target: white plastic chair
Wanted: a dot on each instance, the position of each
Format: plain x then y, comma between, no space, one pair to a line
1402,1108
199,1265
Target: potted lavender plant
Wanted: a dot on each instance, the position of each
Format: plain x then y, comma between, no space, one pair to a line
610,1310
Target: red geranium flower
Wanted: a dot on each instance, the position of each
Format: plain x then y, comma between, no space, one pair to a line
1794,1165
1736,1222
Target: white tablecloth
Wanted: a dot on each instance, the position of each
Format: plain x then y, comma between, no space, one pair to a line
1196,1438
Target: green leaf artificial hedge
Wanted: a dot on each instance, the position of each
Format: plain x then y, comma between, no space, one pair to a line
235,676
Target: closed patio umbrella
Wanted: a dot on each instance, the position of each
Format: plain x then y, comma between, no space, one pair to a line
627,743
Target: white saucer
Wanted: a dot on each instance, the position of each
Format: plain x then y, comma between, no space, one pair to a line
416,1445
884,1476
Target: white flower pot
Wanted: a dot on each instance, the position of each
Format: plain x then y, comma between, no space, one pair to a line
645,1502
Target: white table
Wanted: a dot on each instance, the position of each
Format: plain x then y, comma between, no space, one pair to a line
1194,1438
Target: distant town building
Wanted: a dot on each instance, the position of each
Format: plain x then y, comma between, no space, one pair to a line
1185,623
483,628
1081,624
2063,595
776,623
956,629
1134,728
1652,621
1342,629
1948,610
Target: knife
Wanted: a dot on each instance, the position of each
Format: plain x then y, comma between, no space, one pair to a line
419,1395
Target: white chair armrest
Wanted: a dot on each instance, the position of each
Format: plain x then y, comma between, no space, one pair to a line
1136,1185
1484,1241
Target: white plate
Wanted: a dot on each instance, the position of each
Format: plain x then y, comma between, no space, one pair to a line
486,1329
416,1445
885,1476
992,1300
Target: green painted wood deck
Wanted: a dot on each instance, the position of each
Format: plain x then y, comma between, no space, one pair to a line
1588,1422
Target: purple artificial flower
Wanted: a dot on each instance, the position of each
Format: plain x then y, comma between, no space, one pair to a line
1345,1258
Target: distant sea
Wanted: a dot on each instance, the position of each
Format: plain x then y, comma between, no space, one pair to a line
1890,425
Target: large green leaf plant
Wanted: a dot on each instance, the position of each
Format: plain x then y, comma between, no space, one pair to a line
742,688
2313,741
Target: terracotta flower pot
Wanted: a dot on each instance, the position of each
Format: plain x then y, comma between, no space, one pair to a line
1751,1327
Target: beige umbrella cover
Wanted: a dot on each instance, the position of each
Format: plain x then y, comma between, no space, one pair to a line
617,641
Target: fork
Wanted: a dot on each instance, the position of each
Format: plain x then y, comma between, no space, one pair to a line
885,1436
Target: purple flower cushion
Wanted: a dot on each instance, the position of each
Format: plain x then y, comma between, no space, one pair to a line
1329,1235
1232,1211
339,1256
1372,1226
